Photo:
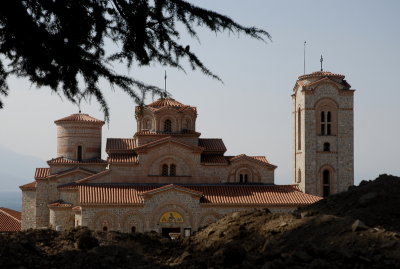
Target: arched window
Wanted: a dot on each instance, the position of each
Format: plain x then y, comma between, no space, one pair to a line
326,123
326,183
79,153
148,125
172,170
105,228
327,146
167,126
133,229
164,171
299,129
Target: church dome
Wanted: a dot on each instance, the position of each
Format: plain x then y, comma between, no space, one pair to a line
79,117
321,74
166,102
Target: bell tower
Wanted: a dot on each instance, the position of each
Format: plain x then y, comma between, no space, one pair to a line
323,137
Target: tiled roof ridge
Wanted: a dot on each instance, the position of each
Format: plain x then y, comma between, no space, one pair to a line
64,160
80,117
12,214
321,73
82,180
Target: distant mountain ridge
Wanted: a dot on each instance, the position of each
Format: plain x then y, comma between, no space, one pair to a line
15,170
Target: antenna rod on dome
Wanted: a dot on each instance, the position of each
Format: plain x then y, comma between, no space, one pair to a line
79,104
165,84
304,62
321,60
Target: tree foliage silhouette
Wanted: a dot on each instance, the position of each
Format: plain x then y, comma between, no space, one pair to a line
61,43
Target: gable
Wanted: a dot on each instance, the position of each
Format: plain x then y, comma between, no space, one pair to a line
258,160
71,175
168,142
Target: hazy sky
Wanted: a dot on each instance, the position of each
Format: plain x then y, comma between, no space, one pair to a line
251,111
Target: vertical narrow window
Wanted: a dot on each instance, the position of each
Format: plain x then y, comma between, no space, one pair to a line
241,178
245,178
326,183
328,124
79,153
167,126
298,176
133,229
299,129
323,123
327,146
105,228
329,117
164,170
172,170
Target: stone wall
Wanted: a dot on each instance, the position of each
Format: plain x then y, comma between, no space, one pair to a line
28,214
311,159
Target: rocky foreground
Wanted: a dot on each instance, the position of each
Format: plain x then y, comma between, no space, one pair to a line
359,228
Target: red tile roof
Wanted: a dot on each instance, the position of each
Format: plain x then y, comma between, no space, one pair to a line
41,173
211,145
122,158
172,186
260,159
29,186
268,195
166,102
120,144
10,220
321,74
62,160
79,117
214,159
161,133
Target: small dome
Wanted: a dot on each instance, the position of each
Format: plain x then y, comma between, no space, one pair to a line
321,74
163,102
79,117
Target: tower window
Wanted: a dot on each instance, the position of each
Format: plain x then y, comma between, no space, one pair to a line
326,123
167,126
243,178
327,146
105,228
164,170
326,183
79,153
172,170
133,229
299,129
